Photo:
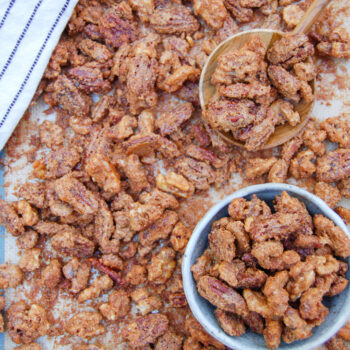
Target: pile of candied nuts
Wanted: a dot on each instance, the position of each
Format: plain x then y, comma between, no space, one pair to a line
257,88
119,183
271,270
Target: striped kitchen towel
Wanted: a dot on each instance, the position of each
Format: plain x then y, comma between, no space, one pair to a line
29,32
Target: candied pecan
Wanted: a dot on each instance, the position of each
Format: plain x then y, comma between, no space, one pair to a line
143,215
293,334
169,341
311,307
286,48
344,332
292,15
257,302
112,260
145,303
306,91
339,240
241,236
229,115
204,155
222,243
162,266
161,229
277,295
344,213
278,225
88,347
290,148
78,273
27,240
71,243
286,83
10,276
338,130
26,323
272,333
222,296
278,172
175,20
198,333
302,165
33,193
10,219
26,212
270,255
228,28
241,14
236,208
141,78
238,276
256,167
142,145
175,184
101,108
236,66
334,165
145,330
72,191
57,163
213,12
305,71
335,49
231,324
51,134
136,174
95,50
85,325
70,98
313,138
258,135
123,129
344,187
170,121
122,226
199,173
330,194
201,267
30,260
89,79
118,305
254,90
144,8
99,285
175,80
180,236
104,173
117,25
51,274
335,343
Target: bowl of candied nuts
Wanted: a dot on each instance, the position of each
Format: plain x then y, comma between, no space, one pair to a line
267,267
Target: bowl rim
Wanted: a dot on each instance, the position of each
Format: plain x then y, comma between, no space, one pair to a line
190,285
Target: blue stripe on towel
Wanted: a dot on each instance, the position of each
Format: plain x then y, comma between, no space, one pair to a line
64,8
2,234
18,43
3,20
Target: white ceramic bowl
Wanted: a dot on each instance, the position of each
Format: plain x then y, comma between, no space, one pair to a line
203,311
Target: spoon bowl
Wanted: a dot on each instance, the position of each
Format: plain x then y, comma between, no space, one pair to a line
207,90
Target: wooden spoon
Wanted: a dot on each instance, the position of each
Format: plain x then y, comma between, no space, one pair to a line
282,133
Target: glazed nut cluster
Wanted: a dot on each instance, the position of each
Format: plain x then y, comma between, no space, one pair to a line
270,270
257,88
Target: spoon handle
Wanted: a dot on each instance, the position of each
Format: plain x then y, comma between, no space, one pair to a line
310,16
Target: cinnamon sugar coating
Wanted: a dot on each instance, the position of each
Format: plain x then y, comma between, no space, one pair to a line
289,279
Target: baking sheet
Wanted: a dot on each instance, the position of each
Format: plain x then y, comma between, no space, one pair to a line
334,99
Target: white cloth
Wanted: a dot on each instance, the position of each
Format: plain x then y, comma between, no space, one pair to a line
29,32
